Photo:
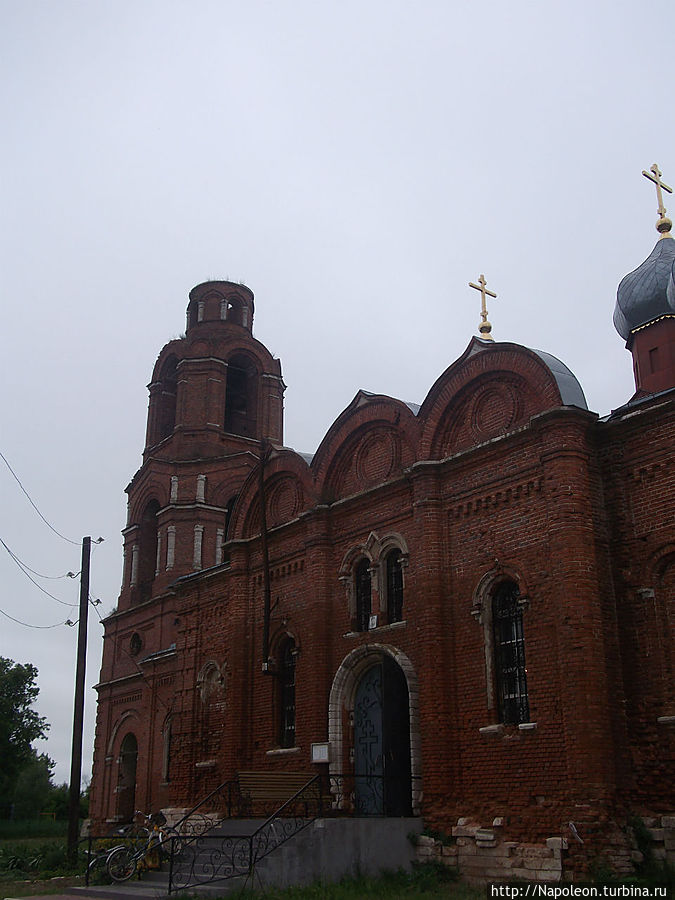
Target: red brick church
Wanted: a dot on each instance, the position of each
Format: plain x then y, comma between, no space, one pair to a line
471,600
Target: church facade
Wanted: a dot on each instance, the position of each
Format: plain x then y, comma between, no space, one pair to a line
471,601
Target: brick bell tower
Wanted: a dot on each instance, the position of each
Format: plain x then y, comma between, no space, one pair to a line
215,394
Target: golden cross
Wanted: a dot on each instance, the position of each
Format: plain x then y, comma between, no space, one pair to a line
663,225
485,328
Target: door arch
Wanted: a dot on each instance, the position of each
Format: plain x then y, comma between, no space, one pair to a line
375,689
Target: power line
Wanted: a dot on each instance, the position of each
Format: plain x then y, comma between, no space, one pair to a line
58,533
28,625
32,580
32,571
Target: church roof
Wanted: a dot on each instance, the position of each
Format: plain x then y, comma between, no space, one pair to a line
648,292
571,392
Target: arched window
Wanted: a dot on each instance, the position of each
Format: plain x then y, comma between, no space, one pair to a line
236,312
287,693
167,403
509,654
147,563
241,397
393,565
362,594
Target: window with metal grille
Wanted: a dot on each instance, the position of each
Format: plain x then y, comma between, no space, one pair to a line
394,575
287,694
363,603
509,647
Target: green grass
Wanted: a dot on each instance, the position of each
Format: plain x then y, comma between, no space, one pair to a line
33,851
33,858
425,882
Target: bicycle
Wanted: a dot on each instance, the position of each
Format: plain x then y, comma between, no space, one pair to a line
97,859
122,863
99,849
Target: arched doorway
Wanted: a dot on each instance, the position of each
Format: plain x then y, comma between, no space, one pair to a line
398,703
126,784
382,770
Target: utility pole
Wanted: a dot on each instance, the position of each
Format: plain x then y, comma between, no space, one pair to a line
78,712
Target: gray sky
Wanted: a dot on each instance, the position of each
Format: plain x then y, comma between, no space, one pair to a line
356,164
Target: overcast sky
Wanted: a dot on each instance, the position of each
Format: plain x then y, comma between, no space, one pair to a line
356,164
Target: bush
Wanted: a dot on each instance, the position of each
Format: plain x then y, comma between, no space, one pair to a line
30,859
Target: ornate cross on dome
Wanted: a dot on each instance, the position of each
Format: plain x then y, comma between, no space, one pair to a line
663,224
485,328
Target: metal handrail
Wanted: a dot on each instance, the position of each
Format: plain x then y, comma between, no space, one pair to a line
266,837
219,857
279,813
226,784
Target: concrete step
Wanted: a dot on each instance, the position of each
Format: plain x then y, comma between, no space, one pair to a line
326,850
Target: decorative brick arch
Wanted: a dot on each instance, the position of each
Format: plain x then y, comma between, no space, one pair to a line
342,695
130,720
481,610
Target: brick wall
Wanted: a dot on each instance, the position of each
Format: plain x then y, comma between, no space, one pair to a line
494,478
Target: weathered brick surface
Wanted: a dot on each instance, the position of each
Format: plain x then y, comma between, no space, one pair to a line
492,478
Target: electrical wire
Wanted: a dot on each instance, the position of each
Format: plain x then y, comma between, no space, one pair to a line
28,625
32,571
58,533
32,580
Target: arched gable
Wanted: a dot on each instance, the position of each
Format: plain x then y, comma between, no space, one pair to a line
490,391
168,359
289,490
149,489
369,443
128,722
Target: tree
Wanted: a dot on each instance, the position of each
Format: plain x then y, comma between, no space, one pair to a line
33,787
19,724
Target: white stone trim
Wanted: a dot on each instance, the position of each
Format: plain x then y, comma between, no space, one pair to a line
170,547
158,555
197,554
134,565
200,496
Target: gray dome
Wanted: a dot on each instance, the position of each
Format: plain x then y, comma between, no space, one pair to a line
648,292
571,392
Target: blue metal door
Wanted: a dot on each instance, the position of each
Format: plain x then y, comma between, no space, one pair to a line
368,744
382,742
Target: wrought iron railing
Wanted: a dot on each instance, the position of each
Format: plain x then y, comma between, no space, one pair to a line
223,802
213,857
221,853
